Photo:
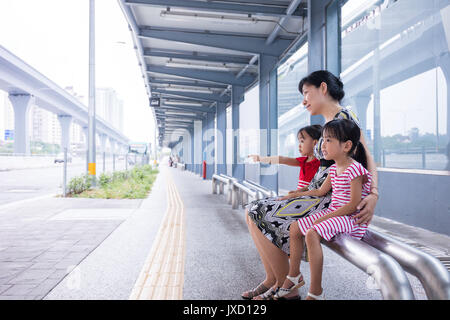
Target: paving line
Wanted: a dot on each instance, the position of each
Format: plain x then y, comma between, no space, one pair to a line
162,276
19,202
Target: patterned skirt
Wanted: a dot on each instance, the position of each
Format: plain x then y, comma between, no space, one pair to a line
274,217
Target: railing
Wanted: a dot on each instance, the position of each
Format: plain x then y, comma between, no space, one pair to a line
383,258
388,274
432,274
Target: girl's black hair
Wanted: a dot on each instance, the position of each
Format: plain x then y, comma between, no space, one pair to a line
344,130
314,131
334,84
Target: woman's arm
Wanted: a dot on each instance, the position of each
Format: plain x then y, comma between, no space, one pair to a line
349,208
367,205
276,160
323,190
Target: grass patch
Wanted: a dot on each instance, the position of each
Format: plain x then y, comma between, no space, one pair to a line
130,184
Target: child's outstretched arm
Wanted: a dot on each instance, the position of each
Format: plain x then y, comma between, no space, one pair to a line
349,208
275,160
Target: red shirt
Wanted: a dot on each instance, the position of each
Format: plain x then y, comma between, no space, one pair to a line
307,171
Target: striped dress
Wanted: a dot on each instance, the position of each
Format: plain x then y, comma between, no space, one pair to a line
340,196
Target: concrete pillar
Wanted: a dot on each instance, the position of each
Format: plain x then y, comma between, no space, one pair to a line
237,96
112,146
103,138
191,163
221,137
65,121
444,64
268,119
208,144
21,104
361,103
198,145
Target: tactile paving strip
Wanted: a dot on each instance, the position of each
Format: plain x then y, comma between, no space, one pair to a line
162,276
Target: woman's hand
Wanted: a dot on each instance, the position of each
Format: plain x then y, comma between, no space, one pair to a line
291,194
367,209
255,157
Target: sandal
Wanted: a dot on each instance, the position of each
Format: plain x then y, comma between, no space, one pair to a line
297,283
260,289
319,297
268,295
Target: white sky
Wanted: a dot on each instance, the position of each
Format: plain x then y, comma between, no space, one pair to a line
53,37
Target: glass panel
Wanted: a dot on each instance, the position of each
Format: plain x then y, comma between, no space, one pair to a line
395,68
249,124
291,114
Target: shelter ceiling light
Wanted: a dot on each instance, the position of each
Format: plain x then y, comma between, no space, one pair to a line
218,18
184,103
181,113
188,90
222,67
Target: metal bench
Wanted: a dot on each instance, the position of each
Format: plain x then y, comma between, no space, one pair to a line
383,258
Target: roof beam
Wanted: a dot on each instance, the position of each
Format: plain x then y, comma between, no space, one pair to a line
290,10
186,108
264,10
168,117
194,95
187,83
194,55
205,75
230,41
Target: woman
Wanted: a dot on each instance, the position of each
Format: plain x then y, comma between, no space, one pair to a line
269,219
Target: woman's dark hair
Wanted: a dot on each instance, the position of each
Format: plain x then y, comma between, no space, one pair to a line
334,84
344,130
314,131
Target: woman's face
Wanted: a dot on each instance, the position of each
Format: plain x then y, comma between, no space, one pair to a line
306,144
312,98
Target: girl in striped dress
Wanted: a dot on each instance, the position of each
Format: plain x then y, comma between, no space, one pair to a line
350,182
308,163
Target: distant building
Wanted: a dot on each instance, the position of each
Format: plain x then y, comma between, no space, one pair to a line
109,107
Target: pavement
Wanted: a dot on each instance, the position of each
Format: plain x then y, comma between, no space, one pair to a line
86,249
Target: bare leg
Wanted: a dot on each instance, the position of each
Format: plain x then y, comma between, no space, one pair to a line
315,261
270,279
296,251
274,256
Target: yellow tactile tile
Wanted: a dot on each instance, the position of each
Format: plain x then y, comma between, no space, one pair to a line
162,275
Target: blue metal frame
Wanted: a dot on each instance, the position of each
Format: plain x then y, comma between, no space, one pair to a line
194,55
215,76
264,10
229,41
194,95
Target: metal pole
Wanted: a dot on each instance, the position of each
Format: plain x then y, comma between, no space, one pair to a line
91,120
114,162
65,172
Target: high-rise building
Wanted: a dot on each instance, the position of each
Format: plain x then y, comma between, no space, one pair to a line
109,107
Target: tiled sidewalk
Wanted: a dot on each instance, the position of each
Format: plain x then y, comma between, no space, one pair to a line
42,241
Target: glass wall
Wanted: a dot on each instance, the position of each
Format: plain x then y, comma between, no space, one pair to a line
249,124
291,113
396,70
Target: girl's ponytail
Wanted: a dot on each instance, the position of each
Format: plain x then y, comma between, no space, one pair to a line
360,154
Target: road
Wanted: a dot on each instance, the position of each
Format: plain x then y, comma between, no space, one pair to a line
21,184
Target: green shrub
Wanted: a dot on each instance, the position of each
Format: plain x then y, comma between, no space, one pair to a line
79,184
